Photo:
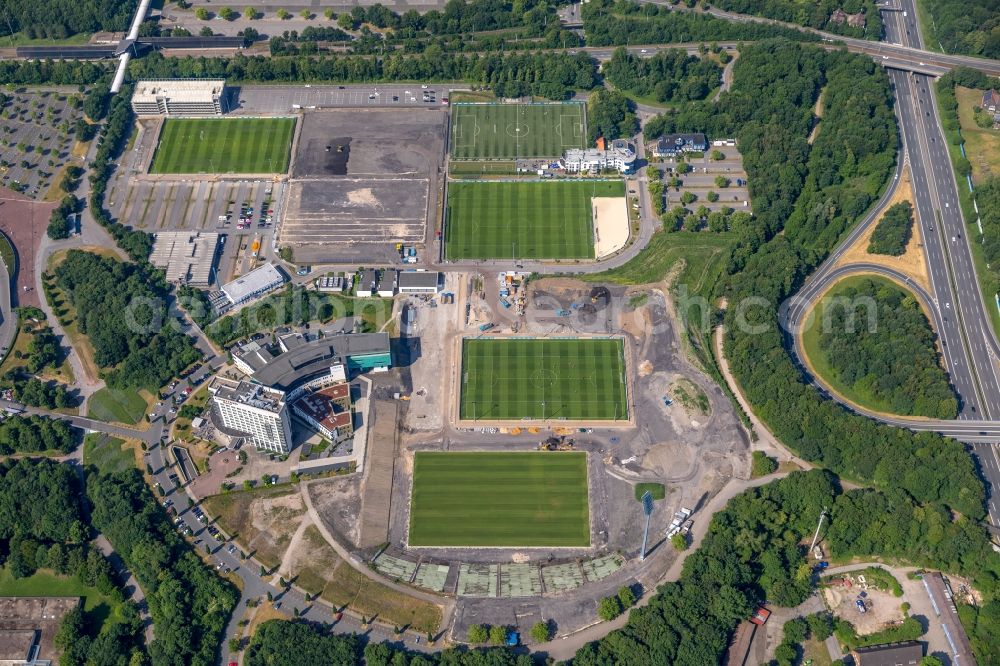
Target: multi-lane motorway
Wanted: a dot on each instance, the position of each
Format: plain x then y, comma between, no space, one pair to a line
955,301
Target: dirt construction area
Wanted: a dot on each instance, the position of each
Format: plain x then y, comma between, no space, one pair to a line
882,609
362,183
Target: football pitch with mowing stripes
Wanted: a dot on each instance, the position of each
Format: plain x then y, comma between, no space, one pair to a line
527,220
224,145
499,131
520,499
575,379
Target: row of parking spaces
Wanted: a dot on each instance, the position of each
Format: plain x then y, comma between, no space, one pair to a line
36,139
283,99
197,205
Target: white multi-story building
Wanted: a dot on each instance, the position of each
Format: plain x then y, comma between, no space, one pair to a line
179,97
620,156
256,412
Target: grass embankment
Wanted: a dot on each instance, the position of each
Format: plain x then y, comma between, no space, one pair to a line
109,454
128,406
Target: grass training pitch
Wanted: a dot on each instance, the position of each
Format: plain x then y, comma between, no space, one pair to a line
519,499
575,379
224,145
527,220
498,131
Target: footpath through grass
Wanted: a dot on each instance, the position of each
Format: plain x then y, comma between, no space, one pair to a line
524,220
519,499
224,145
543,378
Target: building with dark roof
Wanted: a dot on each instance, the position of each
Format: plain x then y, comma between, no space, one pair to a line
328,411
673,144
419,282
355,352
906,653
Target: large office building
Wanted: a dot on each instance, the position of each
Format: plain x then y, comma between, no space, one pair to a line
179,97
187,257
258,413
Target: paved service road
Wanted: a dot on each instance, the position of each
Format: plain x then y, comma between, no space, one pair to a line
944,606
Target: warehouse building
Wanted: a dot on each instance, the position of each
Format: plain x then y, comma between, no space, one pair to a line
179,97
255,283
187,257
419,282
256,412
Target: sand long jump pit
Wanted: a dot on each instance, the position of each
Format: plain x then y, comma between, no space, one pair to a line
361,181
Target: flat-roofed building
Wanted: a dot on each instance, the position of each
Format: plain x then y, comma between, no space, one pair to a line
187,257
905,653
28,626
419,282
355,353
251,357
179,97
255,283
257,412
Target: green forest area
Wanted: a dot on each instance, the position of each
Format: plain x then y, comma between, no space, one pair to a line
58,19
971,27
123,310
872,342
819,14
893,231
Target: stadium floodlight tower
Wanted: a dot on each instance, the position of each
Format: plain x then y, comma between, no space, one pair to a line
647,508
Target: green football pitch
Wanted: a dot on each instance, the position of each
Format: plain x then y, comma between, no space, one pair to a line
574,379
526,220
498,131
518,499
224,145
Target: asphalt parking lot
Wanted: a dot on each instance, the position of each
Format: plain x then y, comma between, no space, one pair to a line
253,100
196,205
36,139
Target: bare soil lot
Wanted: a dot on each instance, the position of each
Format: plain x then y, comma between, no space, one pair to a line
378,142
362,182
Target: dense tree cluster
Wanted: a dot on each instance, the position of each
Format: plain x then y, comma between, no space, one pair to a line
893,231
56,72
189,604
769,110
886,353
57,19
623,22
44,350
278,643
124,314
610,114
34,434
816,14
669,76
964,26
137,244
53,534
551,75
37,393
59,220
